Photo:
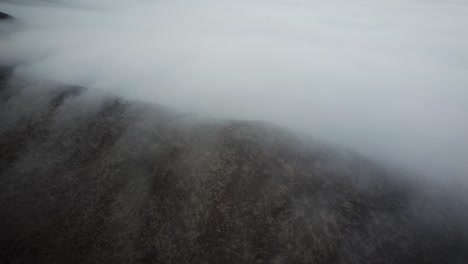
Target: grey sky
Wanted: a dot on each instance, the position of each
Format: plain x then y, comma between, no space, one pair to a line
387,78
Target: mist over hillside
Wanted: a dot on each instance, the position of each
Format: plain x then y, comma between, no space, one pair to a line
386,78
233,132
87,177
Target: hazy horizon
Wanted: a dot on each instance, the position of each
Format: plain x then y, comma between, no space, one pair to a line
386,78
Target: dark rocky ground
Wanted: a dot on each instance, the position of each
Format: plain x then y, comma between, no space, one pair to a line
91,178
4,16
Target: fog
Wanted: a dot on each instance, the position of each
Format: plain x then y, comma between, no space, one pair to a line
385,78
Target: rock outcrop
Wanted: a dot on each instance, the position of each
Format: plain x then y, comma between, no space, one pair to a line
4,16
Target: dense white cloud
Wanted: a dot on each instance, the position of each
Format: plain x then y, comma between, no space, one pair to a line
388,78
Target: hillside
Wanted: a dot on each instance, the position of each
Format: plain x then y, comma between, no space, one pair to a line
91,178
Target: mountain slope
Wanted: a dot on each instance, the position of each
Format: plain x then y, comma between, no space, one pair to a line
91,178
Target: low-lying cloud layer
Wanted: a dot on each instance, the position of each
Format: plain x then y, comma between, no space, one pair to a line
387,78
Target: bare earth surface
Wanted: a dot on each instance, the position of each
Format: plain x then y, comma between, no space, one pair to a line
91,178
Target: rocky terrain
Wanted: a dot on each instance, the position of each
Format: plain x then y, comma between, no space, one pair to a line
91,178
4,16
